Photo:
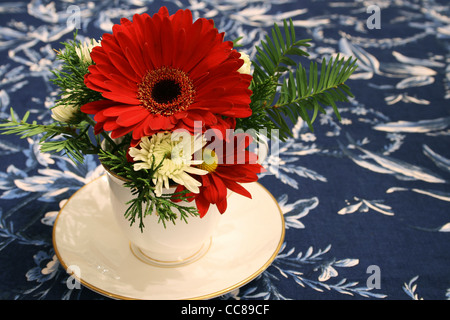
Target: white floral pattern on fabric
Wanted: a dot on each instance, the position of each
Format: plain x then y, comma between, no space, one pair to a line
354,194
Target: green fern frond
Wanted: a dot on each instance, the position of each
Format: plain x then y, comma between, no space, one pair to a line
70,140
23,129
273,57
283,90
300,93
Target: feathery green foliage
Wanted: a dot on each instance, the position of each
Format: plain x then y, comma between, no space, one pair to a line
72,140
282,88
70,78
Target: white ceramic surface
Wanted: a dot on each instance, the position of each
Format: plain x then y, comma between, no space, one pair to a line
170,244
86,238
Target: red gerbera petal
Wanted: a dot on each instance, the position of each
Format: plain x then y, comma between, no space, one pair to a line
222,205
236,187
131,117
202,205
238,173
96,106
227,176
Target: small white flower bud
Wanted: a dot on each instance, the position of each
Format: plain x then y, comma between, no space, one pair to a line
84,50
64,112
246,67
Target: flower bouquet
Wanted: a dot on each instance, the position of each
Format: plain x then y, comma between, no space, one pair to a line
174,111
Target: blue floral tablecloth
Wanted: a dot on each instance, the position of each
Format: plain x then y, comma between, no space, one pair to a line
366,200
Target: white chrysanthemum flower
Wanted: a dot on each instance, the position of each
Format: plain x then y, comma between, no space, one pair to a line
64,112
84,50
246,67
172,152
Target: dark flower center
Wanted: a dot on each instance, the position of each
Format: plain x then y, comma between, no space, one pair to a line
166,91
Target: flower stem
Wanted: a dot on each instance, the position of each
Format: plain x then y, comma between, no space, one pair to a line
103,133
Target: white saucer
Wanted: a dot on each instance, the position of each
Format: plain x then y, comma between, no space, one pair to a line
91,247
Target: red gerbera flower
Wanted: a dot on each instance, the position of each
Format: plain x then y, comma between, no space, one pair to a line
229,164
164,73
